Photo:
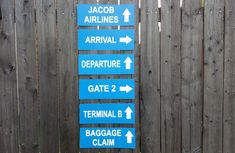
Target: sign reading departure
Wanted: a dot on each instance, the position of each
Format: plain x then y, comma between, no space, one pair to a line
105,39
121,113
106,89
105,15
107,138
105,64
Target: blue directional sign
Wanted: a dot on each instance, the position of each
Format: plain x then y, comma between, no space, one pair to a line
105,39
121,113
105,15
106,89
106,64
107,138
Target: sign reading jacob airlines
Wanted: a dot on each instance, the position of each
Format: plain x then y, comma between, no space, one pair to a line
105,15
105,39
106,89
121,113
106,64
107,138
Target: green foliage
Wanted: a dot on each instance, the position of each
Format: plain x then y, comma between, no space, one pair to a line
203,3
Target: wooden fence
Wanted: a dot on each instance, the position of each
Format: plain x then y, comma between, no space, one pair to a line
185,76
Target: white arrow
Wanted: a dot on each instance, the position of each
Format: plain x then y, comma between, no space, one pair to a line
126,15
128,62
129,137
125,88
128,112
126,39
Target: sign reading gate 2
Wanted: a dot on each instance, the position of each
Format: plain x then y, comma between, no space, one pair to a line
106,64
107,138
105,15
107,113
106,89
105,39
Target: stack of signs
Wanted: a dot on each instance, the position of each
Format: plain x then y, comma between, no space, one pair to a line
106,64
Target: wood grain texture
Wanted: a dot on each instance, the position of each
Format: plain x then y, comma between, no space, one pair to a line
213,76
67,60
87,77
229,79
192,75
8,80
49,78
136,77
171,77
28,92
150,78
187,76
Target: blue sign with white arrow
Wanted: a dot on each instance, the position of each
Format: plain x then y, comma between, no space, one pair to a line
105,39
107,138
121,113
106,89
105,15
105,64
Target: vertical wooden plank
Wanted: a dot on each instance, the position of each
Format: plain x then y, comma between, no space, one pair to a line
192,73
46,30
8,81
229,79
91,150
26,49
136,75
171,76
213,76
150,78
68,76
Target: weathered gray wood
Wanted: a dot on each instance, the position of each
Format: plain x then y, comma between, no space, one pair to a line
49,80
192,81
150,78
171,77
229,79
28,85
8,80
68,76
85,77
136,77
213,76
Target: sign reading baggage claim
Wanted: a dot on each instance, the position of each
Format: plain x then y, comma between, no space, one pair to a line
105,39
105,15
106,64
107,137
